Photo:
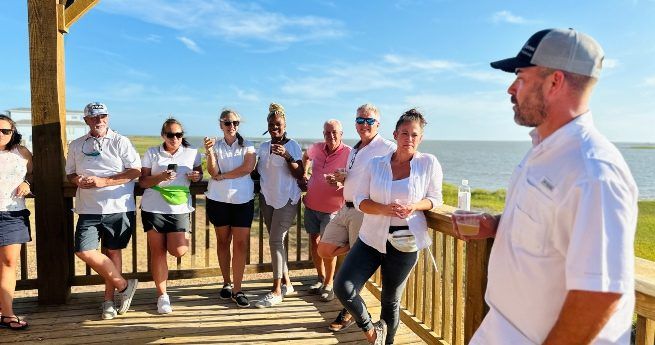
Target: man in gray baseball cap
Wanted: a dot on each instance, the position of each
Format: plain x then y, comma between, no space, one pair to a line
562,263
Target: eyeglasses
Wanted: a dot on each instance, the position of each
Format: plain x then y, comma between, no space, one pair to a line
6,131
368,120
95,143
178,135
230,123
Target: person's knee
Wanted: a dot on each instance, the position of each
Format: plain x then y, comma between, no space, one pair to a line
84,255
7,261
178,252
240,244
326,250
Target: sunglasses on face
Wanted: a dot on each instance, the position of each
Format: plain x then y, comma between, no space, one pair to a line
230,123
6,131
368,120
170,135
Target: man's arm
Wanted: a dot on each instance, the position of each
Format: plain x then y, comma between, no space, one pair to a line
98,182
583,316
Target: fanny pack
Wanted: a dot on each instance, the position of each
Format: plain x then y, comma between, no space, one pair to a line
405,241
174,195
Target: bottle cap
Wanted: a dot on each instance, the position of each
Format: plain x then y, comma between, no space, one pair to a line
465,182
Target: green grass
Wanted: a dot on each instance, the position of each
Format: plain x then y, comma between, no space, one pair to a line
643,147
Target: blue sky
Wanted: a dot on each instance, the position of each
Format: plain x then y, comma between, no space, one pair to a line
321,59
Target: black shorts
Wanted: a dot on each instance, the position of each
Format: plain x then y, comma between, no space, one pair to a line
226,214
14,227
165,223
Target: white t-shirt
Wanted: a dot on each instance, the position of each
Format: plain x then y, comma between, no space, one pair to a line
233,190
116,155
157,159
569,224
277,183
424,182
357,163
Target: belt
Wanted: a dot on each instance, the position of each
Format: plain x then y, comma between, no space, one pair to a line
350,204
393,229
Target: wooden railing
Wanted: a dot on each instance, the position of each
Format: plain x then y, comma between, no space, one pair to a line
645,302
446,305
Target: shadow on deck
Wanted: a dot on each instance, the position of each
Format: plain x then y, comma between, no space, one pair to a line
199,317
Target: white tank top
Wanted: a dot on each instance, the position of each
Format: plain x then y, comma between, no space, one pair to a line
400,194
13,168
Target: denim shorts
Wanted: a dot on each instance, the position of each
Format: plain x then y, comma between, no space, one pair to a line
316,221
165,223
114,229
14,227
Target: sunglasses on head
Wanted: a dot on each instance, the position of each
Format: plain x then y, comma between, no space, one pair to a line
170,135
368,120
230,123
6,131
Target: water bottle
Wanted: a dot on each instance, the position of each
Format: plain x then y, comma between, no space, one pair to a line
464,196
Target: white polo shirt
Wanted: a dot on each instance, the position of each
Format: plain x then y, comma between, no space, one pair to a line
425,179
157,159
277,183
233,190
357,163
569,224
116,155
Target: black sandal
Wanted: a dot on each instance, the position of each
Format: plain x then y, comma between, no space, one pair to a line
14,320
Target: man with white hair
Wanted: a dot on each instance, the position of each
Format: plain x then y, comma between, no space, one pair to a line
323,198
103,165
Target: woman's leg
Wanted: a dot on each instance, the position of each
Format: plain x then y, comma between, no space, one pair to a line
396,267
224,238
8,262
240,239
158,263
359,265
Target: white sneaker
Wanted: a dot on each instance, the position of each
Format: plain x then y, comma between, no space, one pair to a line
288,290
328,293
108,310
164,305
269,300
124,299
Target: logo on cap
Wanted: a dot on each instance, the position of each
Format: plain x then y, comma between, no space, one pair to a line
95,109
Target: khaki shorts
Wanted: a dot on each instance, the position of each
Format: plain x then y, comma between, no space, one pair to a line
344,227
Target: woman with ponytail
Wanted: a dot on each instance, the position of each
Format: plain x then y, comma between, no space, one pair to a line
230,204
280,166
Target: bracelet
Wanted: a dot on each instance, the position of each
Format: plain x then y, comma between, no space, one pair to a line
28,183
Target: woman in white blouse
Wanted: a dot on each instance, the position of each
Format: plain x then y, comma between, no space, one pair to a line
15,174
230,205
166,173
392,197
279,167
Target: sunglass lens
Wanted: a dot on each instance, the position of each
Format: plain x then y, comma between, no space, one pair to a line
5,131
173,135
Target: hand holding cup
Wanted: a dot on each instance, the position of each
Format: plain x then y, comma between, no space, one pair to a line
470,225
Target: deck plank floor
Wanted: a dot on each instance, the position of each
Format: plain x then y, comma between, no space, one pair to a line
199,317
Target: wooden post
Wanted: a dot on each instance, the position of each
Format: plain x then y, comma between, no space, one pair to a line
477,260
54,229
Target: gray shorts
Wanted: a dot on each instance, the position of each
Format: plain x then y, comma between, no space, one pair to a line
165,223
315,221
344,227
115,230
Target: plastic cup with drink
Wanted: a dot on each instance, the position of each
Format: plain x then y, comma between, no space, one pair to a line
468,222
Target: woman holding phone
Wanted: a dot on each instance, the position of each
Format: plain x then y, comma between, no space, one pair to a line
230,203
166,173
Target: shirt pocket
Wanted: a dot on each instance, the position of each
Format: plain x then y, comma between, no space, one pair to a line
532,222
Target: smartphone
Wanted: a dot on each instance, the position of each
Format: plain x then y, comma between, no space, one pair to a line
172,167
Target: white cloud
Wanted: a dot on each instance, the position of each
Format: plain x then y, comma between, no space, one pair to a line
420,64
611,63
234,21
189,43
507,17
250,96
650,81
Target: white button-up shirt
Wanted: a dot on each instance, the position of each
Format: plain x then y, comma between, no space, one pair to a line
569,224
116,155
234,190
278,185
157,159
358,160
425,179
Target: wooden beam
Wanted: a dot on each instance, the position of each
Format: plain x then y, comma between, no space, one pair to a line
77,10
54,228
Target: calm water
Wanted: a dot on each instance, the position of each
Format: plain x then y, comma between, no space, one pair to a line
489,164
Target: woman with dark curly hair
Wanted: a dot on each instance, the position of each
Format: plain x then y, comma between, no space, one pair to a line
15,177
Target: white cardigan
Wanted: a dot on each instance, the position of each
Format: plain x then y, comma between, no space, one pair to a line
425,178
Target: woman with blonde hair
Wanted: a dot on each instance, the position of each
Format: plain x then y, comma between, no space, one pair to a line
166,173
15,177
230,203
279,166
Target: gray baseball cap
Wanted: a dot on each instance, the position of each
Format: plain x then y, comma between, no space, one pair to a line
562,49
95,109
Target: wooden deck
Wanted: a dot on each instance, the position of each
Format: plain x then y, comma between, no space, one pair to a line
199,317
